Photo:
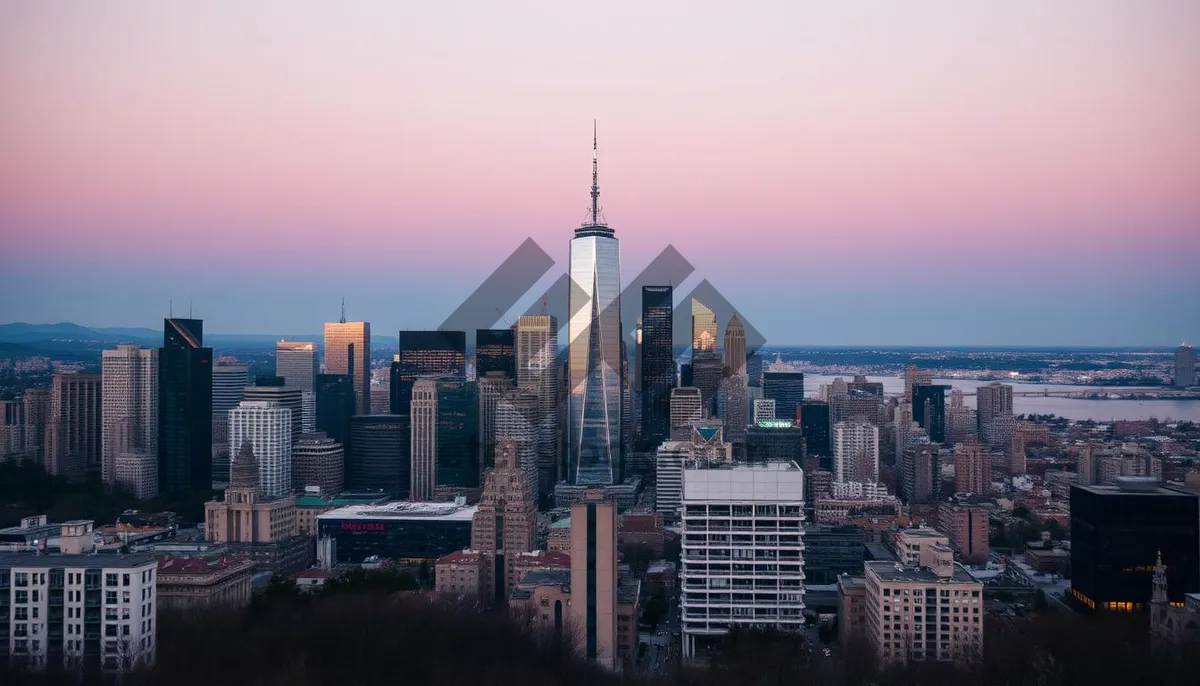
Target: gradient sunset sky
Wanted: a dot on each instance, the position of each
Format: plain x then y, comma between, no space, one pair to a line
909,173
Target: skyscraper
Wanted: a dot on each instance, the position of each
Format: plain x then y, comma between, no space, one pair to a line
538,373
929,409
814,421
1185,366
272,389
505,524
972,468
335,407
348,351
594,354
130,404
657,362
737,406
267,427
516,415
786,389
594,577
856,452
992,400
73,445
296,363
185,374
457,453
491,388
687,408
495,351
379,457
706,362
426,353
318,460
423,411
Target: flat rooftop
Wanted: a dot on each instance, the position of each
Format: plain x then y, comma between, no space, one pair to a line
1139,488
404,509
923,533
100,561
891,571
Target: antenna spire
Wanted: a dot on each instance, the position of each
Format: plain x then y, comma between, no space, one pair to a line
343,319
595,177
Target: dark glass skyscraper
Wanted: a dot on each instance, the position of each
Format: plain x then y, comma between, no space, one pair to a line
335,407
495,351
929,410
184,408
379,458
814,422
457,434
657,362
786,389
426,353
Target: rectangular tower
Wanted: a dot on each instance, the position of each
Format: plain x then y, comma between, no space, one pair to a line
426,353
594,577
348,351
130,404
184,408
296,363
657,362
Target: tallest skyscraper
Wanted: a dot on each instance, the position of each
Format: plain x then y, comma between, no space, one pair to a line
595,364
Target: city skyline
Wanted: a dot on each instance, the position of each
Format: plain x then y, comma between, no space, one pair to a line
837,152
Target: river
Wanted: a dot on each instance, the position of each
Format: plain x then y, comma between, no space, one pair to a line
1072,408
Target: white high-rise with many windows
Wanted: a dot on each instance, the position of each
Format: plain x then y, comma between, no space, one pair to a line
423,413
743,550
129,405
267,425
856,451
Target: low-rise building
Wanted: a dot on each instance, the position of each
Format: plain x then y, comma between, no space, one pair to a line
200,583
458,573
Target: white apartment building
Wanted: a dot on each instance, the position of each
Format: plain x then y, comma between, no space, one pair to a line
764,408
743,550
137,473
101,608
128,404
423,439
853,490
855,451
267,425
668,477
516,421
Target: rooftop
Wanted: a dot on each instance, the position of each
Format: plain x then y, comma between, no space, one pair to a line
546,577
101,561
891,571
403,509
544,558
460,557
564,523
200,565
922,532
1134,486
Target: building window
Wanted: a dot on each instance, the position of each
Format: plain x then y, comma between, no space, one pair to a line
110,579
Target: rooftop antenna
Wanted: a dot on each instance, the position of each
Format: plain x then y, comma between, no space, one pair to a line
343,319
170,308
189,307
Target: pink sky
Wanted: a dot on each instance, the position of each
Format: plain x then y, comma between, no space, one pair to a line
150,132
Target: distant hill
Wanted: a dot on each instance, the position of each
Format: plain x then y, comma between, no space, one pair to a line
66,333
20,332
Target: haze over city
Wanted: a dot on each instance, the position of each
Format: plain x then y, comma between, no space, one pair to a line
931,174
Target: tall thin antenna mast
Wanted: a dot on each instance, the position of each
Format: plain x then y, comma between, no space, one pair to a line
189,307
170,308
595,177
343,319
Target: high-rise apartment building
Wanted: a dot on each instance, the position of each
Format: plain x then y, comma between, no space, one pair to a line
185,385
348,351
668,477
318,460
1185,366
73,445
687,408
37,419
504,525
424,422
496,351
296,363
856,452
972,468
914,377
657,361
594,363
760,582
538,373
267,427
929,410
594,587
130,405
378,459
992,401
12,428
272,389
516,425
426,353
136,473
920,473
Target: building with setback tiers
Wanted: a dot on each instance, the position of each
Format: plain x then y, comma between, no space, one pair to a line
504,525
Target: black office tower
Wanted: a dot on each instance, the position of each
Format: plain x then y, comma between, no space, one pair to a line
184,408
457,435
426,353
1117,533
929,410
379,458
495,351
335,406
814,422
786,389
657,362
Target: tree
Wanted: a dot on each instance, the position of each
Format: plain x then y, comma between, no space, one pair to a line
655,609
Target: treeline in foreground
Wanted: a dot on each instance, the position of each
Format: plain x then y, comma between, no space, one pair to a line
372,639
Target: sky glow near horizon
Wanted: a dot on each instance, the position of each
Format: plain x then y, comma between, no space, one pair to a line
844,173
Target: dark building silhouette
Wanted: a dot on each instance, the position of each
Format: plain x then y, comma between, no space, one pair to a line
379,457
774,440
495,351
657,362
335,406
929,410
184,408
814,422
426,353
1117,533
830,551
754,369
458,463
786,389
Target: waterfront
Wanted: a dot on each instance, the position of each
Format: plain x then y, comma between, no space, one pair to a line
1072,408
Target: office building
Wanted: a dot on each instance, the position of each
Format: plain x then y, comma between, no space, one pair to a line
929,410
272,389
229,381
504,524
856,451
426,353
761,582
831,551
687,408
1117,533
764,410
657,361
457,439
246,515
12,428
491,387
931,612
914,377
594,586
129,405
136,473
972,469
318,460
967,528
538,372
814,422
296,363
184,408
992,400
668,477
412,532
348,351
335,407
267,428
74,429
786,388
774,440
734,351
736,406
424,442
496,351
516,417
594,365
78,612
1185,366
754,369
378,459
706,361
